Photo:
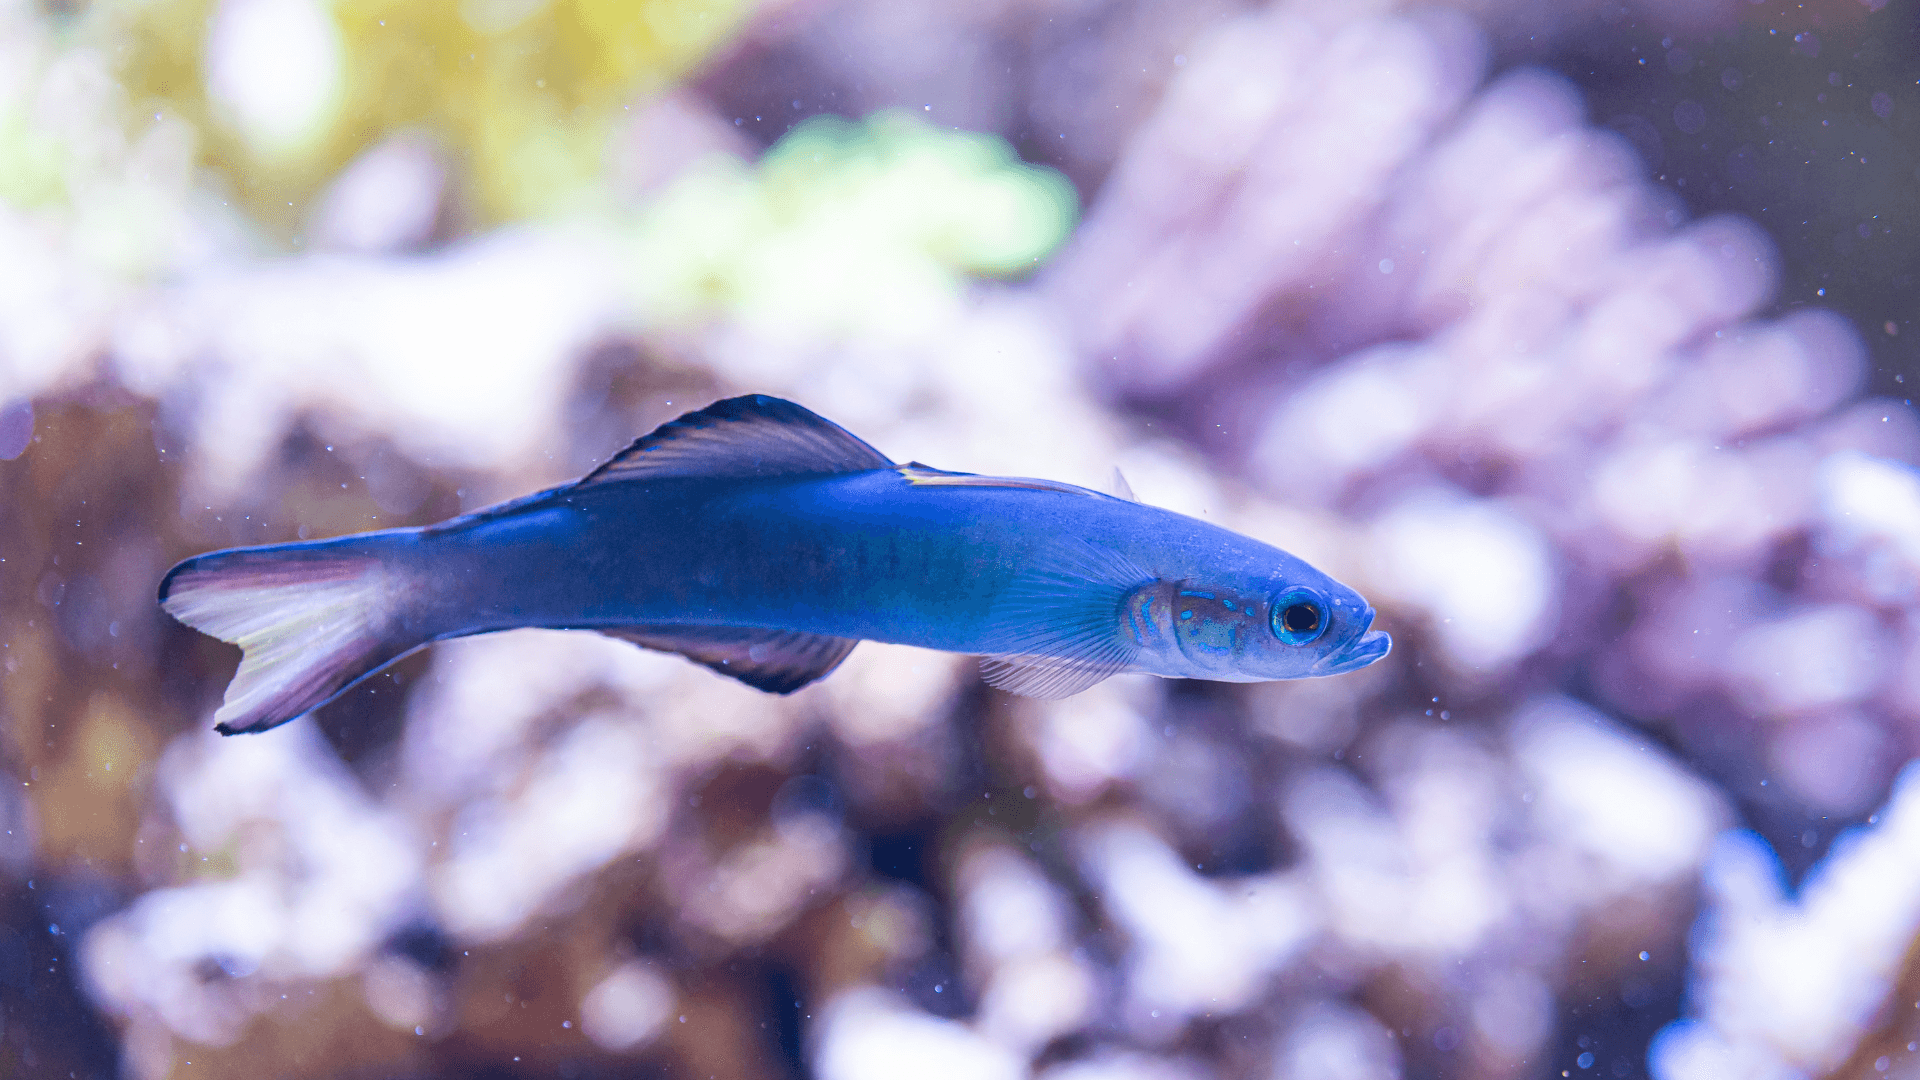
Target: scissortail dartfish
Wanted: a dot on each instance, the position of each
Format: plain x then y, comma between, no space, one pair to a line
763,541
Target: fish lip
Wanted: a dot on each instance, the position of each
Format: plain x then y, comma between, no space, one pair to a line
1360,652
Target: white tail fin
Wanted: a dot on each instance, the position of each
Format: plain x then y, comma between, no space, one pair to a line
311,620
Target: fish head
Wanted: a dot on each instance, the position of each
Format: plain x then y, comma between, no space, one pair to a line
1295,625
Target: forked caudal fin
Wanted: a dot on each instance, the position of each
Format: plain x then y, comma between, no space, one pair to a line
311,620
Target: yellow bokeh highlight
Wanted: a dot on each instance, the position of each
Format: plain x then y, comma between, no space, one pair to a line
88,802
522,96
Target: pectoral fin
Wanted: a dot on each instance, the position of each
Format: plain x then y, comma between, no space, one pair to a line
1058,628
1044,677
777,661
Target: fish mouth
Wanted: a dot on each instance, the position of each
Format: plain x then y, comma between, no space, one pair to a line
1359,652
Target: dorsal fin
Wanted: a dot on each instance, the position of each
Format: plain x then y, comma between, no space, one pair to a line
1122,489
755,435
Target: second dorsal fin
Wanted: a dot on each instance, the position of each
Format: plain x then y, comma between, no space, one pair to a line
927,476
755,435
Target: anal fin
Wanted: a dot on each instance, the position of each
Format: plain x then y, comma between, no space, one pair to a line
777,661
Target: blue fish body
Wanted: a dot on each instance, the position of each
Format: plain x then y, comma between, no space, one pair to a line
763,541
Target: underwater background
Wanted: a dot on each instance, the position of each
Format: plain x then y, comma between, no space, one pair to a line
1575,335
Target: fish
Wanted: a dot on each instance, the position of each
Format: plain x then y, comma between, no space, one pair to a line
763,541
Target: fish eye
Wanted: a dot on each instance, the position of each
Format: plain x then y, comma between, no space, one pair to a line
1299,616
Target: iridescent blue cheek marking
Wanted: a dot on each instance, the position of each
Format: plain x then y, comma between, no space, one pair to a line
1188,614
1204,633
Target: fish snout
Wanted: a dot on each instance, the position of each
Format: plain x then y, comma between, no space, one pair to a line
1364,645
